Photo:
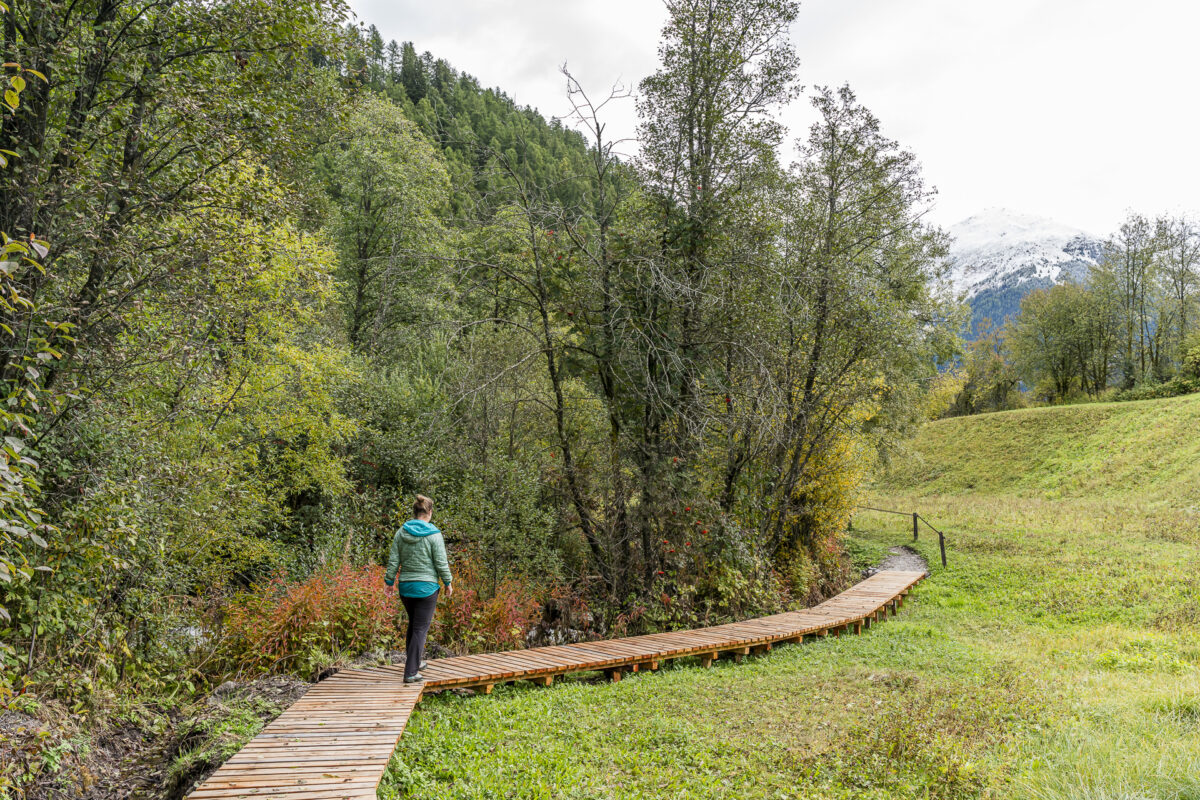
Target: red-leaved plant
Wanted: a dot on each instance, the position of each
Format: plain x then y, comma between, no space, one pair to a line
476,621
300,627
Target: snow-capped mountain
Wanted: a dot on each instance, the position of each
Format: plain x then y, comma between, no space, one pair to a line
999,256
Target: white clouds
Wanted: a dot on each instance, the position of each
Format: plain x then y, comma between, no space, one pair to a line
519,46
1075,109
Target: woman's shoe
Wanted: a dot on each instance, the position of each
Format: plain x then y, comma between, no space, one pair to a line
424,664
418,678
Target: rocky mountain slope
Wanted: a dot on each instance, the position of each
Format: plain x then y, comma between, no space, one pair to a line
999,256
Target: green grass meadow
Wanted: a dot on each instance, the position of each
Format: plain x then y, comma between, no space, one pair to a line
1058,656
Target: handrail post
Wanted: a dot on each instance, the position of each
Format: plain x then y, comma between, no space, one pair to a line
917,519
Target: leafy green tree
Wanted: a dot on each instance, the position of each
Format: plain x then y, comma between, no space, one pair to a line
1096,334
990,382
1179,270
852,328
1066,339
1127,267
1046,337
29,349
217,413
1191,356
388,186
147,107
708,142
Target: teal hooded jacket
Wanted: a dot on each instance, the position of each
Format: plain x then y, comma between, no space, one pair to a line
419,552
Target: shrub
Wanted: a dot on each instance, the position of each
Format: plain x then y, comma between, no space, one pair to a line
301,627
477,620
944,389
1191,357
722,592
809,559
1178,385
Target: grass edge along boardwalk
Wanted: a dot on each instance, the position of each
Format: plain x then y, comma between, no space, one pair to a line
334,743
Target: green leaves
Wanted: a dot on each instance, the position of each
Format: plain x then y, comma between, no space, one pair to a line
12,94
389,187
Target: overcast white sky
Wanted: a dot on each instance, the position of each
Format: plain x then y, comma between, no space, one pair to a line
1074,109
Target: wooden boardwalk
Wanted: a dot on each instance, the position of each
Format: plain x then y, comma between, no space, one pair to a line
334,743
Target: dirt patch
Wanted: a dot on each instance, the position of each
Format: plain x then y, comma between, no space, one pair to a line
235,713
902,559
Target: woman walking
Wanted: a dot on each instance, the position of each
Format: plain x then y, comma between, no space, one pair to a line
419,547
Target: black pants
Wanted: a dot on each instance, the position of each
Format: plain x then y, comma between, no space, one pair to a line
420,616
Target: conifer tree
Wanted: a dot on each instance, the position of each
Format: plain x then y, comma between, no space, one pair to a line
412,73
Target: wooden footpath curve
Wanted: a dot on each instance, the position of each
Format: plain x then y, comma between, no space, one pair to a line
334,743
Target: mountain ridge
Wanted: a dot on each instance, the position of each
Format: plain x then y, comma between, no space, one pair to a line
998,256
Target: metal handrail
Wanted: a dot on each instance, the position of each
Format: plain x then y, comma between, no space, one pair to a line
917,519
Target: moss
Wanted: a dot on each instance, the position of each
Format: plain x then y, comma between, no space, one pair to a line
216,736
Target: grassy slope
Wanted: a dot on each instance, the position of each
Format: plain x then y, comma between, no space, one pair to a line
1143,451
1056,657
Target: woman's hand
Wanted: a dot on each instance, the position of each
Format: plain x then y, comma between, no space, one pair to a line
449,590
